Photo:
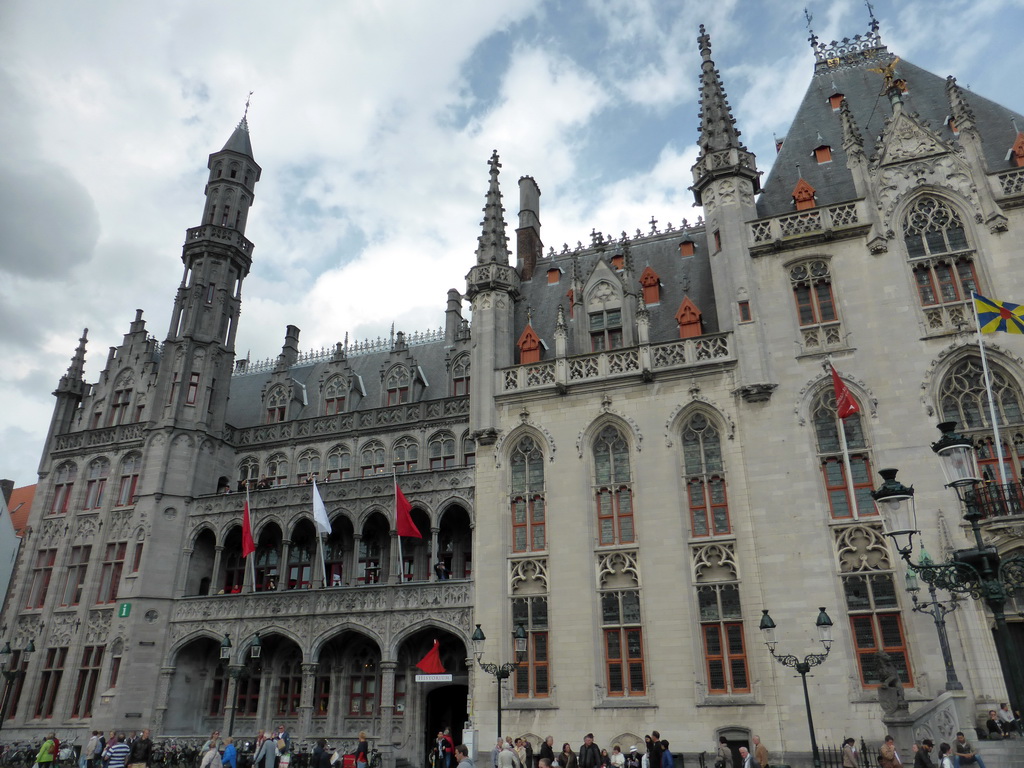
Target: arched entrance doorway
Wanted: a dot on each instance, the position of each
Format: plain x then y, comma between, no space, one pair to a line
445,707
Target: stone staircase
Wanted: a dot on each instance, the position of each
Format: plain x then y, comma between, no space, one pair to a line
1001,754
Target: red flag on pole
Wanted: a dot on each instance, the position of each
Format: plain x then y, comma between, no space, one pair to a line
248,545
845,404
431,663
403,520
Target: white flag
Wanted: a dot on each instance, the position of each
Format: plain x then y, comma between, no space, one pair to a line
323,524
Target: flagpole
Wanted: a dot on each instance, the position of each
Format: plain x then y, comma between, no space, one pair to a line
847,469
251,561
988,391
401,557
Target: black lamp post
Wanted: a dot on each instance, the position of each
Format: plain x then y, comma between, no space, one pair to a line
824,626
937,609
978,571
504,671
10,675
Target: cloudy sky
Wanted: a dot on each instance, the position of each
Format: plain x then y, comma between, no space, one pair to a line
373,122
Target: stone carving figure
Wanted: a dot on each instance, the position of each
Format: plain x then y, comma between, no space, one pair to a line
890,692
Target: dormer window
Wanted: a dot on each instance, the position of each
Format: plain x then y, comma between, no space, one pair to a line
836,101
529,346
618,260
687,248
823,154
803,195
398,384
554,275
651,286
606,330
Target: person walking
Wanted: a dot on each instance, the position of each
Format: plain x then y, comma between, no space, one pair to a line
945,760
590,754
362,751
667,761
263,757
923,754
47,752
117,751
850,753
462,755
760,752
211,758
320,758
888,755
230,758
723,755
567,759
141,751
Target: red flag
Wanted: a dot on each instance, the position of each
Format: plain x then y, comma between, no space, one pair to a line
248,545
845,404
403,520
431,663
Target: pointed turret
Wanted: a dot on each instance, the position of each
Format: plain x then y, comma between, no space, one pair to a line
71,388
492,245
721,151
76,370
492,287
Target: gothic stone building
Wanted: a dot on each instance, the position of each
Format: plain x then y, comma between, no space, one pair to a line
646,455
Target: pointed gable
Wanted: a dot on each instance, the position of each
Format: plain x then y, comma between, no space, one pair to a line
529,345
652,286
907,139
688,317
803,195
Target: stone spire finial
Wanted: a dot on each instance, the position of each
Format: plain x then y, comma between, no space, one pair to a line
718,126
853,141
492,245
960,110
77,368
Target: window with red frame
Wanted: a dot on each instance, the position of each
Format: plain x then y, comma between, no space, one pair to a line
371,460
74,575
137,557
613,492
119,404
705,477
362,698
96,483
397,386
468,451
528,508
42,570
218,692
308,464
605,330
322,695
876,625
826,429
277,470
339,464
460,376
88,675
623,643
721,626
812,290
334,395
533,675
63,484
110,572
49,682
441,450
406,453
17,684
277,406
289,691
130,468
234,569
247,698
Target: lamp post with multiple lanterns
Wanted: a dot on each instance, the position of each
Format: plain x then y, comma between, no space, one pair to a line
504,671
10,675
237,671
978,571
802,667
937,609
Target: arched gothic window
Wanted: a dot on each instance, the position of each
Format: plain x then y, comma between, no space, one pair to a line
99,470
838,477
406,454
277,469
704,475
308,464
277,405
339,463
940,256
248,469
371,459
962,398
529,513
613,488
460,376
334,395
441,450
63,484
397,386
130,468
363,683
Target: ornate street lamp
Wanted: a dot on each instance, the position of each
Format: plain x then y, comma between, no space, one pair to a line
504,671
937,609
225,648
978,571
824,626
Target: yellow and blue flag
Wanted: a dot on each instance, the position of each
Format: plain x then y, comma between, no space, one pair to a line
996,316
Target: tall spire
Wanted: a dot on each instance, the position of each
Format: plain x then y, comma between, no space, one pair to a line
77,368
960,110
853,141
721,151
717,125
239,141
492,245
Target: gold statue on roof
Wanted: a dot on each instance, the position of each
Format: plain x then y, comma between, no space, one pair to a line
888,73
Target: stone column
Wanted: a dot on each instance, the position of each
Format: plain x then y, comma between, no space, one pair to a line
434,555
179,588
163,691
282,566
215,576
387,711
351,573
306,699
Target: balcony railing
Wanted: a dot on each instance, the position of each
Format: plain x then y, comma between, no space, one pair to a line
995,500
